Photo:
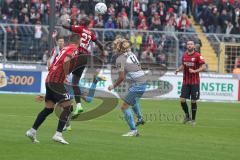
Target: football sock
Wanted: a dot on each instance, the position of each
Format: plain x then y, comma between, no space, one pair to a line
91,92
69,117
63,118
185,108
129,118
41,117
77,93
194,111
137,110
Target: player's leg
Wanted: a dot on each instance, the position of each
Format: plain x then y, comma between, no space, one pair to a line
128,115
185,94
137,91
195,95
76,89
48,109
93,86
137,110
67,109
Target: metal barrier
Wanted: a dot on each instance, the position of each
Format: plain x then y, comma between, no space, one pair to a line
29,44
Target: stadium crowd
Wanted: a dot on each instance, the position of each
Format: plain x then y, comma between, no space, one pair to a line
218,16
148,15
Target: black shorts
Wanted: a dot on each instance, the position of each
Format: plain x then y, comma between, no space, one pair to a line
190,91
56,93
82,61
79,71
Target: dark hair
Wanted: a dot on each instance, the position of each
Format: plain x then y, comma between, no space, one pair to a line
74,38
60,37
85,21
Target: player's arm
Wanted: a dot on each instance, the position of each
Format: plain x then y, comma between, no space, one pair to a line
120,64
179,69
72,28
200,69
66,64
202,65
121,78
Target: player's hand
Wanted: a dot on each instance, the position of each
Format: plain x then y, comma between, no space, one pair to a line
39,98
110,87
192,70
176,72
54,34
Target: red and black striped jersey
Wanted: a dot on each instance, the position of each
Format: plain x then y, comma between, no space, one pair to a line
56,72
193,61
86,36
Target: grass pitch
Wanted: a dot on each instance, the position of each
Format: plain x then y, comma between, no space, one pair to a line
215,137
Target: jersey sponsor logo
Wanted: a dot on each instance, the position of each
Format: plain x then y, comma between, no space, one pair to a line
189,64
193,59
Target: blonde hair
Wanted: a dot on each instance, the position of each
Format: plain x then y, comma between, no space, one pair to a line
121,45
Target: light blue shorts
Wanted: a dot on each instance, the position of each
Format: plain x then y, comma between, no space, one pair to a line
134,93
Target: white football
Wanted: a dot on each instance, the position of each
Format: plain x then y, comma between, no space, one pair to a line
100,8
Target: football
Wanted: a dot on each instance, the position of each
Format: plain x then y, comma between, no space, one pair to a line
100,8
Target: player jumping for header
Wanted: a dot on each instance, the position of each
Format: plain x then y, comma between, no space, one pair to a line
86,36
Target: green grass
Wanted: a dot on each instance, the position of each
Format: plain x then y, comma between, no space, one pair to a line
216,135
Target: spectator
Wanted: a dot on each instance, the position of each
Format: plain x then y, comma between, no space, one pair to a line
213,21
143,25
184,23
171,25
109,25
37,36
223,20
98,21
156,23
230,28
34,16
137,40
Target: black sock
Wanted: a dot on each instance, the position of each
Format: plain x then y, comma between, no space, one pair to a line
63,118
77,94
185,108
194,111
41,117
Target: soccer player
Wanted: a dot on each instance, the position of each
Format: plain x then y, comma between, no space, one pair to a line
86,36
129,68
56,92
55,51
192,64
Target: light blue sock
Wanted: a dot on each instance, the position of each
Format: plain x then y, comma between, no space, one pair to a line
91,92
129,118
137,110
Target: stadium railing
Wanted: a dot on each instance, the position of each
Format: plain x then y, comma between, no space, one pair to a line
21,43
